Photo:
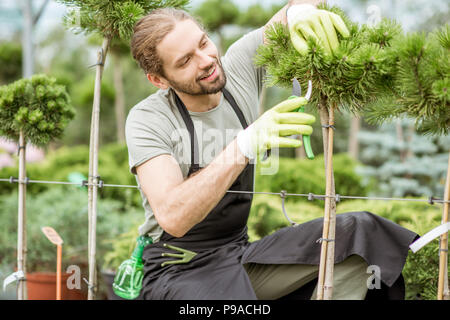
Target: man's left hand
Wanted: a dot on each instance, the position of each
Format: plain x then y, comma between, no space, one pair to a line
306,21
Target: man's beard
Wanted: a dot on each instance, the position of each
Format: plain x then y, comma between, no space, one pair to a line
199,88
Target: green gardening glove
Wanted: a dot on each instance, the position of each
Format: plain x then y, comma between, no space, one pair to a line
305,20
269,130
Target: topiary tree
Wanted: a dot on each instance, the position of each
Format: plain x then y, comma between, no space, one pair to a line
113,20
34,110
348,77
419,90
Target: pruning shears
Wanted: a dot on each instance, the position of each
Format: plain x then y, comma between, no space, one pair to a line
297,92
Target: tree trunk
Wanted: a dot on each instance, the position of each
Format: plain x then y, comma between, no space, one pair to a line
119,101
353,145
21,221
93,179
27,39
401,139
408,152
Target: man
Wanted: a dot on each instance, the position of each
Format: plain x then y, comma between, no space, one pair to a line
194,142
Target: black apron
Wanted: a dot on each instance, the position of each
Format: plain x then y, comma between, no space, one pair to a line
221,243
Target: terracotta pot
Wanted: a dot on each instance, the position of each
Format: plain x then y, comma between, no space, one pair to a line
42,286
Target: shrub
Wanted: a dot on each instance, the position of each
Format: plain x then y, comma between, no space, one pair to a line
37,106
305,176
122,248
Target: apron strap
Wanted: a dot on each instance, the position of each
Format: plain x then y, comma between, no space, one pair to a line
236,108
190,125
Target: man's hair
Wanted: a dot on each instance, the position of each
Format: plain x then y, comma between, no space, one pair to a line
148,34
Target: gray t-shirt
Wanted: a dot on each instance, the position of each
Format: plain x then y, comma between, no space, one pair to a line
155,127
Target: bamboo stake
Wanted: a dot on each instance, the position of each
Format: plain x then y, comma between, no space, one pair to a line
325,281
21,223
329,269
93,170
443,290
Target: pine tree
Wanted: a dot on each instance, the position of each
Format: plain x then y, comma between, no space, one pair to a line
113,20
419,84
355,74
420,91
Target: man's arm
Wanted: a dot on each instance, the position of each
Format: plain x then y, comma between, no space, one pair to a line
180,204
280,16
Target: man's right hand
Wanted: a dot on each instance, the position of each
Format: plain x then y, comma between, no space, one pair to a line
269,130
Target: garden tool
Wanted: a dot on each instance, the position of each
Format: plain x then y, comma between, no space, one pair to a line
184,257
297,92
128,280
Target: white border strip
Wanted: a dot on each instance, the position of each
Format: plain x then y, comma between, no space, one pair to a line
433,234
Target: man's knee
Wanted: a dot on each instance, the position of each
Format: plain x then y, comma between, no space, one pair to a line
349,279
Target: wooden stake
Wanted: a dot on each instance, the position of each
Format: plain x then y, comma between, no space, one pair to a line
325,281
93,170
443,290
329,269
21,221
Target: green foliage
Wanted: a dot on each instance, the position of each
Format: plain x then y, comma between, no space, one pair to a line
38,106
420,83
216,13
121,249
256,15
11,62
111,19
66,210
305,176
421,273
352,76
